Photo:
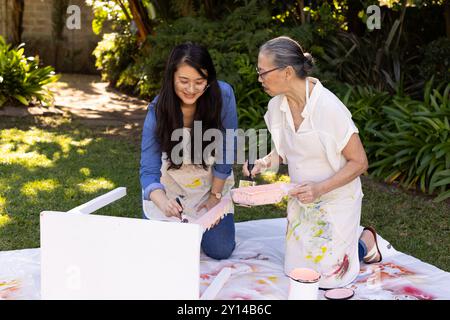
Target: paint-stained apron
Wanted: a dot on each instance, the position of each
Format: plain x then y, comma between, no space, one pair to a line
190,183
322,235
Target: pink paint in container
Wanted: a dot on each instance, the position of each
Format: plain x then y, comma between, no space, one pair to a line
339,294
303,284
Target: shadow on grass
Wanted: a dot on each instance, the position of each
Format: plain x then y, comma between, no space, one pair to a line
57,170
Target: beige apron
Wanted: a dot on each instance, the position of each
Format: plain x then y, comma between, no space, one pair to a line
322,235
190,183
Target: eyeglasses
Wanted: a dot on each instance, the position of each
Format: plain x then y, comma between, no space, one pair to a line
262,74
197,87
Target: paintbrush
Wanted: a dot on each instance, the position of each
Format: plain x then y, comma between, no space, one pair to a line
248,181
211,217
183,217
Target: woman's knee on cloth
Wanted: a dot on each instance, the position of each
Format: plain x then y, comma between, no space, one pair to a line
219,251
219,242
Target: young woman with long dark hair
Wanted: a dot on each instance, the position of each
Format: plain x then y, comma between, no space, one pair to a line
191,98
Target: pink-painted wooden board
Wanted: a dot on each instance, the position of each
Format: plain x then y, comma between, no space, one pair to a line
262,194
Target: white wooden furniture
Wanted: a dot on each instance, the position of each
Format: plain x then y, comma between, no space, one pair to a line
87,256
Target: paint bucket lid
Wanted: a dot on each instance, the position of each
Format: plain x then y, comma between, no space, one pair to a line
304,275
339,294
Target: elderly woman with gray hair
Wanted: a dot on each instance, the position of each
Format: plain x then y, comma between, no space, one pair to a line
313,133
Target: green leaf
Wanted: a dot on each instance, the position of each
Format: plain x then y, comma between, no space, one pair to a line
391,36
3,100
442,196
22,99
442,182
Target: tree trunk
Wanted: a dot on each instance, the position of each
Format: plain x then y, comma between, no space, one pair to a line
58,24
355,24
447,17
124,9
140,17
163,8
18,7
209,9
308,16
301,6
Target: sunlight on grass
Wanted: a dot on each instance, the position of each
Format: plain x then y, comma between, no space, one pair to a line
31,189
19,154
272,177
36,148
54,121
85,172
94,185
4,219
2,206
282,204
82,143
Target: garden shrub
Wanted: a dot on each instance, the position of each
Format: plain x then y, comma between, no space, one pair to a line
436,61
113,54
233,43
22,79
407,141
406,137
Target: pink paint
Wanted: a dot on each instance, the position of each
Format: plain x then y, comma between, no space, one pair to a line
204,276
239,296
339,294
261,195
8,293
417,293
304,275
213,216
341,268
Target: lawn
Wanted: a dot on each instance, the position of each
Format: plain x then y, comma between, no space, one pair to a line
60,165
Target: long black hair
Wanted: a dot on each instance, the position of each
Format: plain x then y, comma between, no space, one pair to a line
168,108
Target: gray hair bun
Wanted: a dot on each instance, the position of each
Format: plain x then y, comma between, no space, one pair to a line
288,52
308,63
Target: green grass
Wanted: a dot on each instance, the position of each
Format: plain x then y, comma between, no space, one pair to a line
58,169
60,166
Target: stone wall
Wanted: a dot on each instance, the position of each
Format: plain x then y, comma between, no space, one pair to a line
72,52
